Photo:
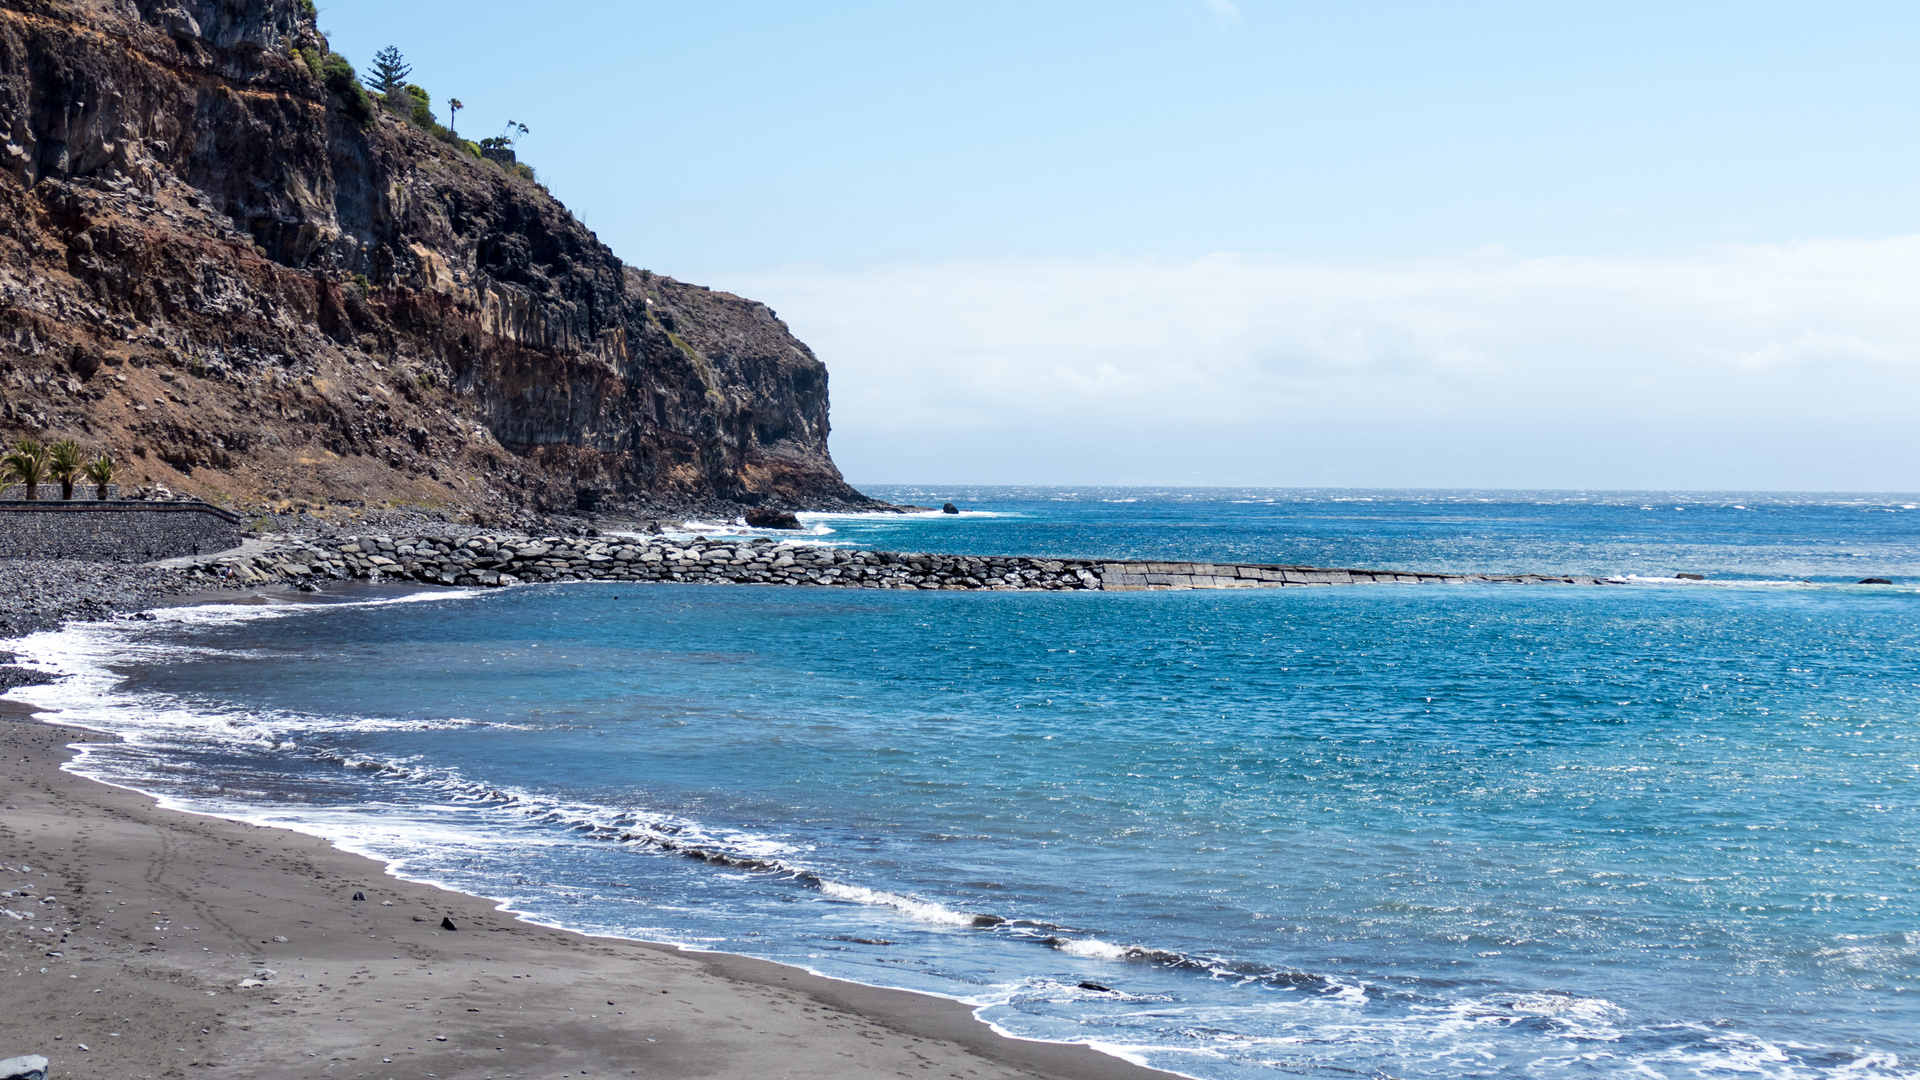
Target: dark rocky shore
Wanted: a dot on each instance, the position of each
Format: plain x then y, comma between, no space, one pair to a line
42,594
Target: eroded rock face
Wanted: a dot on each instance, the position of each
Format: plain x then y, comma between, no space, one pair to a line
210,266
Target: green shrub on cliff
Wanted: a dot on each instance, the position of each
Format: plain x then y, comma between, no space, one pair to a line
359,106
340,78
455,141
421,107
337,73
315,62
416,104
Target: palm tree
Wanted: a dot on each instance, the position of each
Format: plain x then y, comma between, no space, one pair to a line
100,471
454,105
26,462
64,462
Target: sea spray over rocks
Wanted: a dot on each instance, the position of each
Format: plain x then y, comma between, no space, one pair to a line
495,560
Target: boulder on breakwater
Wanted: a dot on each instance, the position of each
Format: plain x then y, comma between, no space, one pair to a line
763,518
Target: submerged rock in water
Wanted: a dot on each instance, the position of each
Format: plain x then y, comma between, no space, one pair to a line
949,508
1875,581
1691,577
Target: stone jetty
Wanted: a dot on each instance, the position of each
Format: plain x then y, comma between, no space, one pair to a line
498,560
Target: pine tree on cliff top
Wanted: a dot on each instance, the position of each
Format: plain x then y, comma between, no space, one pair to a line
390,70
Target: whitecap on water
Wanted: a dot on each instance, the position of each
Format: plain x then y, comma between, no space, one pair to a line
924,910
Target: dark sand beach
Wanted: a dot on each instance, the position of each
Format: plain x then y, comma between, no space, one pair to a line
155,943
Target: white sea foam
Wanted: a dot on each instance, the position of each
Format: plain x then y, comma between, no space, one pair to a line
1723,583
1349,994
911,515
151,723
924,910
1093,949
88,653
810,537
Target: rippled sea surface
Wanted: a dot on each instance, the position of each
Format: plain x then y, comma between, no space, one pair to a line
1661,828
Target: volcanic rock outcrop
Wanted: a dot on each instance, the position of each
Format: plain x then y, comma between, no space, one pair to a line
244,280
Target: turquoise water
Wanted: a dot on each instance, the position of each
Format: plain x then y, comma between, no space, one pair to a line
1659,829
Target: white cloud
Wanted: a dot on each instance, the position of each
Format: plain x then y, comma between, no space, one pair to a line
1734,366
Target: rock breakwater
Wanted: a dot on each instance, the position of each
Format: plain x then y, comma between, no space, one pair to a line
498,560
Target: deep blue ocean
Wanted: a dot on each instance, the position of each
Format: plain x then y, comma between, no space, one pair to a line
1660,828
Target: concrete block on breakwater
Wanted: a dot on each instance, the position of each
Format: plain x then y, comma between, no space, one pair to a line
497,560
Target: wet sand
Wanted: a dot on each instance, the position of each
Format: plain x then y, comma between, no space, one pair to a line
132,952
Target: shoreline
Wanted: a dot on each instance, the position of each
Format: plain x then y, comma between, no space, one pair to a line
255,899
182,1011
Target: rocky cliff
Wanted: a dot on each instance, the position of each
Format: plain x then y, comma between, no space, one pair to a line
229,270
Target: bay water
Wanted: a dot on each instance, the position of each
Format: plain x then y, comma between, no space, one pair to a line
1658,828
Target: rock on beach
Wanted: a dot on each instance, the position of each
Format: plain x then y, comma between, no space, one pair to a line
24,1067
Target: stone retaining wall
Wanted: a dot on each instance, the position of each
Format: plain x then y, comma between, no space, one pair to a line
83,491
123,531
510,560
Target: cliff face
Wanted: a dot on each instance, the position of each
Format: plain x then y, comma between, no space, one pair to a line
212,267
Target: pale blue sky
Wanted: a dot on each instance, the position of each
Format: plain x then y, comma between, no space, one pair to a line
727,134
817,154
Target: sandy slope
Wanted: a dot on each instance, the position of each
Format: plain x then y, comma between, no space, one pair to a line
156,917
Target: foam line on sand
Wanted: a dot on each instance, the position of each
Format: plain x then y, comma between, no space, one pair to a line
155,938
